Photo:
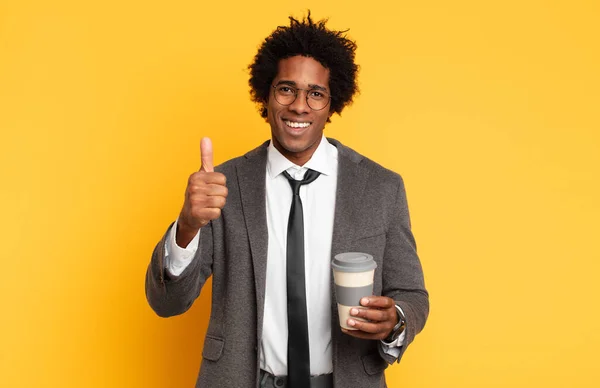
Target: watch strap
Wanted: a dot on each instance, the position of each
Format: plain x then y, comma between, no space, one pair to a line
398,329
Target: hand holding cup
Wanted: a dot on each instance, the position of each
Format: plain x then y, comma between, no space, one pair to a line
375,320
362,314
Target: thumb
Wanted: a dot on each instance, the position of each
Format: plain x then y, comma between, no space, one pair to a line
206,155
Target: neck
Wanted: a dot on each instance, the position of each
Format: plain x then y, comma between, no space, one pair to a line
299,158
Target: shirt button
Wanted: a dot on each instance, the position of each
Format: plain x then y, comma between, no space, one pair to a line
278,382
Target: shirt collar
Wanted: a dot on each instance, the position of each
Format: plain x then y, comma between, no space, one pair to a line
323,160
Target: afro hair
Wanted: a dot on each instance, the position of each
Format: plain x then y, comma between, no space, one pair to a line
332,49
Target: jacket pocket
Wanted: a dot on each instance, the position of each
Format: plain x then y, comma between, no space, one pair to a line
373,364
369,233
213,348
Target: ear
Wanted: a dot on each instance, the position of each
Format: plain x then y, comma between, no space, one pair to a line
329,116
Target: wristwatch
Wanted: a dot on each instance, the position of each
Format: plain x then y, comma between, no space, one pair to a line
398,329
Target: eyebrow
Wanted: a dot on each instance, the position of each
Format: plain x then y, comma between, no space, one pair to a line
294,84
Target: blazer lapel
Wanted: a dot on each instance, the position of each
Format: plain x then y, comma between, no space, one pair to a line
251,178
352,178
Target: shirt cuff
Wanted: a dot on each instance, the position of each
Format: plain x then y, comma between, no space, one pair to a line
176,258
393,348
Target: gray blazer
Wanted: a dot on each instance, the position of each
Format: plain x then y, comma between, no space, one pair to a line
371,216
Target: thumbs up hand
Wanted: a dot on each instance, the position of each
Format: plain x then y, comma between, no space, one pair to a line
205,196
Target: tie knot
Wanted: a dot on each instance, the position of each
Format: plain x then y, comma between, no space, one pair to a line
310,176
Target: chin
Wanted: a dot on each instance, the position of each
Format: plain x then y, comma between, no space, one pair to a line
293,149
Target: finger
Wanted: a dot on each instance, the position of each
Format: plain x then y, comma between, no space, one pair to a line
215,178
375,315
209,213
207,189
217,190
215,202
382,302
203,201
206,155
361,334
201,177
368,327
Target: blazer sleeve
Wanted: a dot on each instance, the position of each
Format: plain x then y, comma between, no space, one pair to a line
402,272
170,295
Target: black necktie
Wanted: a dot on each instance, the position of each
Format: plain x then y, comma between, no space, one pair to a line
298,348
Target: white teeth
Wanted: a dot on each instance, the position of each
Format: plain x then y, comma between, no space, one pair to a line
294,124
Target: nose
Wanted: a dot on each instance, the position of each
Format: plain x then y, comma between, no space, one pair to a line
300,105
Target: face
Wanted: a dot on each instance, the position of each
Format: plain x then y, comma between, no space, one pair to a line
296,129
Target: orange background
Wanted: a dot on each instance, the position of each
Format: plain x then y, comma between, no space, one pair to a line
489,110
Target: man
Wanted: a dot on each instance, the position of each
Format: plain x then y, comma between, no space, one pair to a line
266,226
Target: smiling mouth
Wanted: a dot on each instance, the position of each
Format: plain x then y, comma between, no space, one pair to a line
297,124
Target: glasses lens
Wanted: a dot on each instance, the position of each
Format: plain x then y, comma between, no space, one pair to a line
317,104
285,94
317,99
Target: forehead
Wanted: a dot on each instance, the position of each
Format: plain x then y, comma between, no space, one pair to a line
303,71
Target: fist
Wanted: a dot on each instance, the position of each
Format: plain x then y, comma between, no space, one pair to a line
205,196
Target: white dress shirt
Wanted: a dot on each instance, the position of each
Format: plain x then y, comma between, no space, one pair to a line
318,203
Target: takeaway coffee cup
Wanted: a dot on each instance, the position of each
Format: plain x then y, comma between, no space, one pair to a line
353,276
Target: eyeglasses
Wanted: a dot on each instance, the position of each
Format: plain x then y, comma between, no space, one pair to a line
315,98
